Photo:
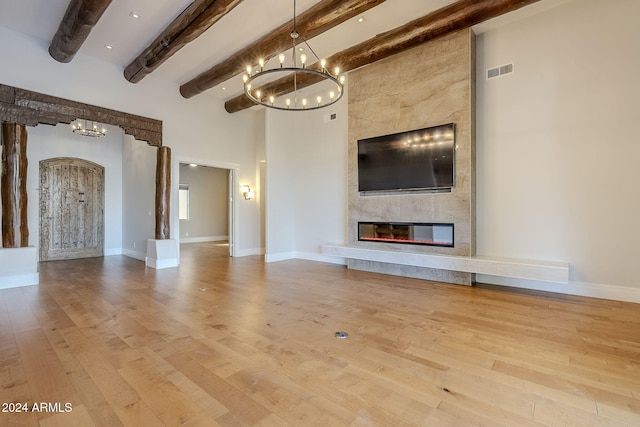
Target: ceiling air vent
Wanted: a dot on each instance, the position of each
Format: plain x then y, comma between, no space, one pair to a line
492,73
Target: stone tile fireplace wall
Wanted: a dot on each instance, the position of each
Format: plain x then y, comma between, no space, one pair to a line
426,86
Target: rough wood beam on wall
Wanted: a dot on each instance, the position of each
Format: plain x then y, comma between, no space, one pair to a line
316,20
79,19
30,108
163,193
13,186
454,17
198,17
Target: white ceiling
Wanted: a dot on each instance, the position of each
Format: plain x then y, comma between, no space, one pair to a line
247,22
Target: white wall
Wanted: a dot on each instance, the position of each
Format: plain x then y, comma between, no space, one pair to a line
46,142
197,128
557,145
138,196
306,175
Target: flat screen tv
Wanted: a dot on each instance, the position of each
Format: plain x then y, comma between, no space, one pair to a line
422,159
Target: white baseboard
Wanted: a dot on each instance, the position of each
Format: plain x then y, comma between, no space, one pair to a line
249,252
314,256
113,251
585,289
18,267
282,256
159,264
134,254
7,282
162,253
203,239
309,256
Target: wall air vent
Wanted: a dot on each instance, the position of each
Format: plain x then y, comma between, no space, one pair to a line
492,73
330,117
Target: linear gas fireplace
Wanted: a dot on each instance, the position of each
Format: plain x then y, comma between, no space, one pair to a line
430,234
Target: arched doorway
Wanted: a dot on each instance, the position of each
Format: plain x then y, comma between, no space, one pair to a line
71,209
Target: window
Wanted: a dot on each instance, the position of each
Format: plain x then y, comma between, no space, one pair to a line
183,202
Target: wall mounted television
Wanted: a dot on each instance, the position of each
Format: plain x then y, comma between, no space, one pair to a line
421,159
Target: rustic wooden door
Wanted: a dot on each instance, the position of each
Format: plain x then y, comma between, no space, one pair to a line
71,209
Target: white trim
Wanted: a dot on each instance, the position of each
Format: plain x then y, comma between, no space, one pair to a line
249,252
134,254
162,253
282,256
203,239
113,251
161,263
18,267
314,256
8,282
585,289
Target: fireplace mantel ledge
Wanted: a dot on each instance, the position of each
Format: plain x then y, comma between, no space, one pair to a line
546,271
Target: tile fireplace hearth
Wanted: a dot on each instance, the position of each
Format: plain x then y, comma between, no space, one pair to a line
428,234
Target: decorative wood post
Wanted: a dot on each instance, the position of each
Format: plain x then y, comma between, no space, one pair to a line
163,192
13,186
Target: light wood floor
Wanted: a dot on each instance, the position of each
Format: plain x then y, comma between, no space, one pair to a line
235,342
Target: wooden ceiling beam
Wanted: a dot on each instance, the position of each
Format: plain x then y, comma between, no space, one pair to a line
316,20
78,21
446,20
198,17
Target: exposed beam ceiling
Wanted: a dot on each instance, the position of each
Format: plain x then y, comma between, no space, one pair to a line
177,41
80,18
446,20
198,17
316,20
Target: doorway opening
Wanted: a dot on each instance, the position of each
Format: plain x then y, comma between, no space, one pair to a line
206,205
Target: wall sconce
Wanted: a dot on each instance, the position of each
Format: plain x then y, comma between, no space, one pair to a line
246,192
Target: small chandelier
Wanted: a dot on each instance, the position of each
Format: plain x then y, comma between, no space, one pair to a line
88,128
293,102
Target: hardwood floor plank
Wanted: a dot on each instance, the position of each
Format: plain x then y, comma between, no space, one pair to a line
236,342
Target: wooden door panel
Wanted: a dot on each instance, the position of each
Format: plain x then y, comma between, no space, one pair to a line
71,209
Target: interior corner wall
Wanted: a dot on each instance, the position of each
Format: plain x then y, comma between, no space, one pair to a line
429,85
306,171
557,145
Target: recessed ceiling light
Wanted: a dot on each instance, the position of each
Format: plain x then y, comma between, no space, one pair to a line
361,19
301,49
134,15
108,46
224,88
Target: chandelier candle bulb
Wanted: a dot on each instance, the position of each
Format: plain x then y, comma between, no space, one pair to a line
266,78
88,128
